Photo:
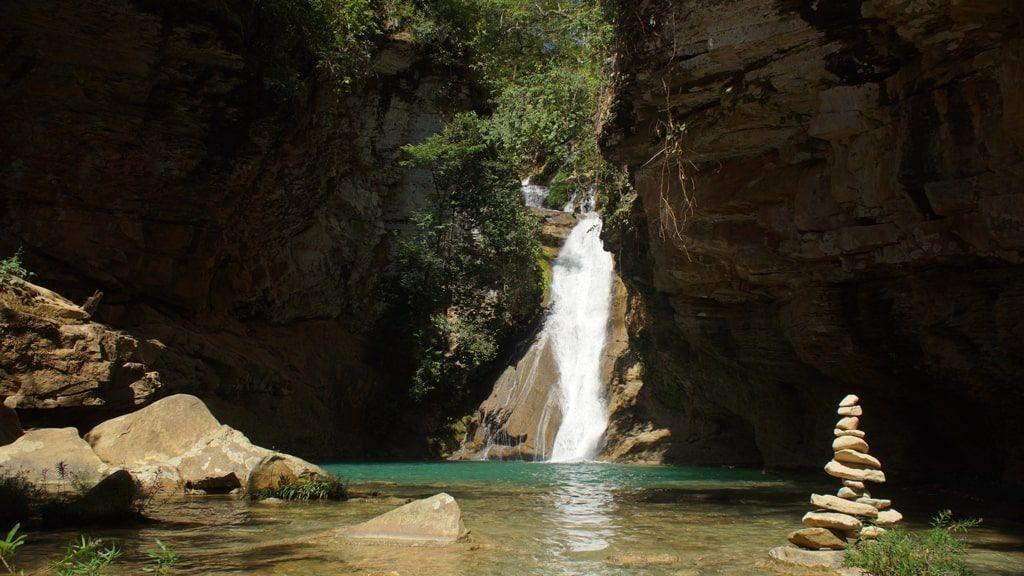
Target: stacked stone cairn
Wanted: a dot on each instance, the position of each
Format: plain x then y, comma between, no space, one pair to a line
852,513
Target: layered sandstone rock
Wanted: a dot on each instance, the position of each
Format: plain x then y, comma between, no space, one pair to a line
827,195
55,361
146,154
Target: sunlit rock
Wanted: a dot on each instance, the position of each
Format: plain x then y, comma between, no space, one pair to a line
435,520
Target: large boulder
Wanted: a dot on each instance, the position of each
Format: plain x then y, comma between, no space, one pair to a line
50,456
113,499
220,461
176,442
155,434
10,426
432,521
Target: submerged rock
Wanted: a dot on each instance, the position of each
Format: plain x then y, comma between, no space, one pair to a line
432,521
633,560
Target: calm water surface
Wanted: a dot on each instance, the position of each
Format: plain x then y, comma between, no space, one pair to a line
530,519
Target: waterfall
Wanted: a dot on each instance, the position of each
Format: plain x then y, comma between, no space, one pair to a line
578,325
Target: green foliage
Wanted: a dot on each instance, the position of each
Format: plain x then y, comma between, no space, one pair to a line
12,266
337,36
938,552
161,560
468,274
9,547
86,557
329,488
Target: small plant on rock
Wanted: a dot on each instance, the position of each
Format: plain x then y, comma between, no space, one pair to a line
12,266
938,552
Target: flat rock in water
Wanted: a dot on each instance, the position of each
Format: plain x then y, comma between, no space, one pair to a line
857,433
817,539
629,560
888,517
855,457
808,558
840,470
850,411
435,520
848,423
837,504
832,520
849,443
849,400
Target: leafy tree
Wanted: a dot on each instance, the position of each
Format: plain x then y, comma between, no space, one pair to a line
469,273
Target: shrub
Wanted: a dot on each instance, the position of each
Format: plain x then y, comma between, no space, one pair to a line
12,266
16,497
329,488
938,552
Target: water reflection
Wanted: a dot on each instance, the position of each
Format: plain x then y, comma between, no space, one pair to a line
582,508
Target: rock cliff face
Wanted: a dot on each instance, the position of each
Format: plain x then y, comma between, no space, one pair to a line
829,197
142,156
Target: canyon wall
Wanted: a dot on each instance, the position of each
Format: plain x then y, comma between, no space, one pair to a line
238,235
828,200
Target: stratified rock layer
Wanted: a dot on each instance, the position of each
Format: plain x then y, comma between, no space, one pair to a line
852,215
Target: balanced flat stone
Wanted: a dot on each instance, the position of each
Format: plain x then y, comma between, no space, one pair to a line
888,518
817,539
848,423
876,502
855,457
857,433
850,411
808,558
859,486
836,504
849,443
848,493
833,520
849,400
436,520
840,470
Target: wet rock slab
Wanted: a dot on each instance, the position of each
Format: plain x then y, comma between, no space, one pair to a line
431,521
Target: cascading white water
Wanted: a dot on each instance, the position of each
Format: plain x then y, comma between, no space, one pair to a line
581,291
